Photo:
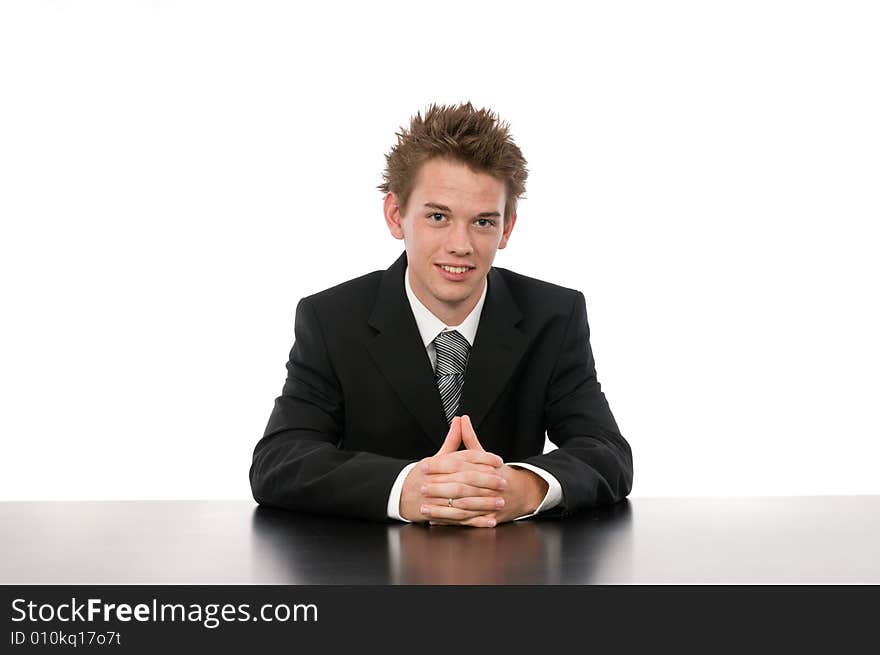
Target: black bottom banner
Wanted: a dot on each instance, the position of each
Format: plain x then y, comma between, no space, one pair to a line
147,619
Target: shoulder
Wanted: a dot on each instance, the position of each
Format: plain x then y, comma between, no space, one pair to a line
530,292
349,296
547,308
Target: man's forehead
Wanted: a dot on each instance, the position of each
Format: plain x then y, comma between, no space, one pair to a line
457,188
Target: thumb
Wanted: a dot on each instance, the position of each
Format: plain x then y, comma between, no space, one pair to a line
468,435
453,437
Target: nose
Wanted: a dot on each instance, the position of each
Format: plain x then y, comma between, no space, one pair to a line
458,241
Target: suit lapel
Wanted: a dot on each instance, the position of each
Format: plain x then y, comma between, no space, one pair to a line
498,348
400,355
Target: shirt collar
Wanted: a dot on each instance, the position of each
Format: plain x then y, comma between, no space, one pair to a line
430,326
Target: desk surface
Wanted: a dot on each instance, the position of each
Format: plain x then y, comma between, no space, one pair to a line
785,540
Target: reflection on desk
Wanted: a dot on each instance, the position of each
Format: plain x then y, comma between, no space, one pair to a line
559,551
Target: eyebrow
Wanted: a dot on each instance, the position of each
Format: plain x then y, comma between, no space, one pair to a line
434,205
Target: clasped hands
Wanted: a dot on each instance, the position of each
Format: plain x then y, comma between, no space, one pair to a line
483,490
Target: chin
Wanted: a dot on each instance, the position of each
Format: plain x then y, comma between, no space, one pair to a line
457,298
446,296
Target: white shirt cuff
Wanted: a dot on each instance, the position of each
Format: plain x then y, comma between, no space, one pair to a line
554,490
394,496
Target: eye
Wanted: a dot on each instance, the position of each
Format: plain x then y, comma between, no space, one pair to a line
486,222
442,216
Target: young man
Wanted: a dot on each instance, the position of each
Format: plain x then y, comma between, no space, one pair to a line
423,392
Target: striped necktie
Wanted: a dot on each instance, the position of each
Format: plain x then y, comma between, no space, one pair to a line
452,356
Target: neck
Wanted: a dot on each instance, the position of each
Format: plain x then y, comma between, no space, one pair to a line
451,314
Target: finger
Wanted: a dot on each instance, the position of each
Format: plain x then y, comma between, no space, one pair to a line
453,438
455,490
479,468
454,465
485,521
471,503
468,435
472,478
445,512
479,457
435,466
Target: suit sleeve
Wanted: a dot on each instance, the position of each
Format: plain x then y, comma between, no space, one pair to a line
593,462
298,464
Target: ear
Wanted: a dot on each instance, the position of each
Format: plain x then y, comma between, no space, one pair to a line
508,228
393,219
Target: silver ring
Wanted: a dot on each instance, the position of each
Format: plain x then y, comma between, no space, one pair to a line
450,502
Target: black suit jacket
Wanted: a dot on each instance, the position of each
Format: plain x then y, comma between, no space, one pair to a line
360,401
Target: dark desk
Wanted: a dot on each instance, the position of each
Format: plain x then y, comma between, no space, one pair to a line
792,540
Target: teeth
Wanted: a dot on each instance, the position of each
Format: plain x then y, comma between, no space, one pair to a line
455,269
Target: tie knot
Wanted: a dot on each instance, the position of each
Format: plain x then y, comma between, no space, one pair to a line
452,353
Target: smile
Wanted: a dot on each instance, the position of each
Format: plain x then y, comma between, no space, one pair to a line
455,273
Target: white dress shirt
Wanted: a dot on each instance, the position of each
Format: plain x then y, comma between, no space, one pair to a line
429,327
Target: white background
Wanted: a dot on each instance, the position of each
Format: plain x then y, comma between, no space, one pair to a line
174,176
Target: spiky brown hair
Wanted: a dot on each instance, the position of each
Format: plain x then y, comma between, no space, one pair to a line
474,137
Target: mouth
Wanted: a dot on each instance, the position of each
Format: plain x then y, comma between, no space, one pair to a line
455,273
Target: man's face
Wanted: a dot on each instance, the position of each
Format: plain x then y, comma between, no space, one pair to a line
454,218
